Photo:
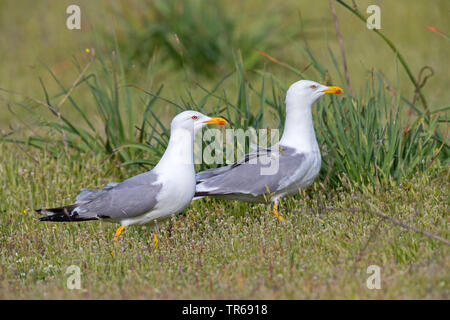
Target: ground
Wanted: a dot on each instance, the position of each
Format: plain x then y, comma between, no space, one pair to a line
216,249
222,250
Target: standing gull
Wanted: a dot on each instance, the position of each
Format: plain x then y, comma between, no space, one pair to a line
166,190
297,156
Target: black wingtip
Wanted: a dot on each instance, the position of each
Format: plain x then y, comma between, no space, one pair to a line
61,214
202,194
57,217
61,217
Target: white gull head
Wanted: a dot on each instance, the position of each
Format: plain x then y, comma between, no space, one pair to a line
298,129
179,151
193,121
307,92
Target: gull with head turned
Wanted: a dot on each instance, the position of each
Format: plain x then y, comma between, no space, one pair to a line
297,156
157,194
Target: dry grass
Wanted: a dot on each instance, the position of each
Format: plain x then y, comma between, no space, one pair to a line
219,249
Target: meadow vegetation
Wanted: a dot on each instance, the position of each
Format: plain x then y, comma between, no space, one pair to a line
219,249
75,118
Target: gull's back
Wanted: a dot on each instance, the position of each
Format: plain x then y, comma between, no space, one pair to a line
244,180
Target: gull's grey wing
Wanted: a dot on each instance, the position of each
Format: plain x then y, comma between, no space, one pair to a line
130,198
87,195
209,173
206,174
245,178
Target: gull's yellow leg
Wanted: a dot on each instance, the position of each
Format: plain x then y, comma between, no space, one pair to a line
155,241
118,232
275,212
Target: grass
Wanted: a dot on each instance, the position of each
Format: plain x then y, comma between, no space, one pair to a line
198,35
32,39
366,133
219,249
101,117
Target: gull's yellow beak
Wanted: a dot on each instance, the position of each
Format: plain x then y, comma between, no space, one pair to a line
216,120
335,90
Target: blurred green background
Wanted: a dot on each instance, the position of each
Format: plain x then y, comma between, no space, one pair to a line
376,148
34,34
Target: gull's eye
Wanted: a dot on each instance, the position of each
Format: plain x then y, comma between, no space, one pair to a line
313,86
194,117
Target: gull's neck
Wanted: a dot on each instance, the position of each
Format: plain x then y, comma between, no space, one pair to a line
179,154
298,128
